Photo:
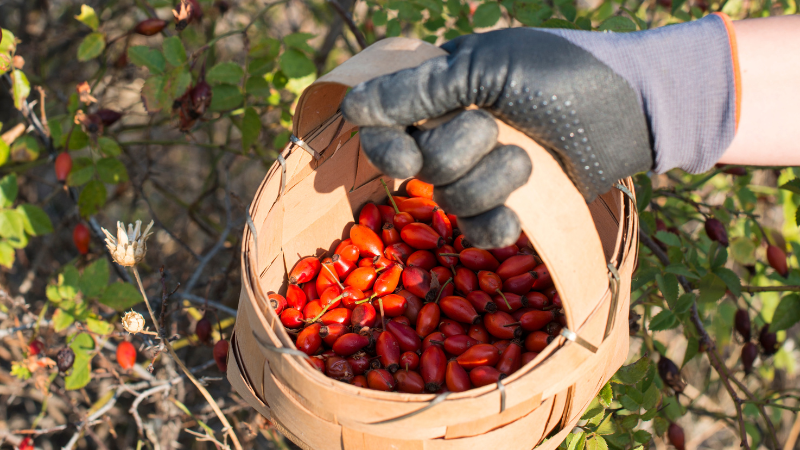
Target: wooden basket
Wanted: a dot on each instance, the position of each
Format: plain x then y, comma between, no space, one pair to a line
313,193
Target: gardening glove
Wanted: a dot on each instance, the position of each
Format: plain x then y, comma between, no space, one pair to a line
605,105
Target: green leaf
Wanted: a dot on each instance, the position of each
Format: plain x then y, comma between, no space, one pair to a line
88,17
379,18
91,47
680,269
94,279
8,190
406,11
641,436
731,280
78,140
792,186
148,57
786,314
684,303
265,48
108,146
111,170
486,15
651,396
5,151
639,22
607,426
668,285
120,296
629,404
68,282
81,374
711,288
174,51
668,238
154,94
578,441
593,410
92,198
226,73
20,88
35,220
62,320
606,395
177,81
251,128
295,64
82,171
660,425
6,254
298,41
257,86
8,43
618,24
692,349
665,320
720,256
632,373
596,442
559,23
531,14
225,97
393,28
98,326
567,8
25,149
260,67
12,226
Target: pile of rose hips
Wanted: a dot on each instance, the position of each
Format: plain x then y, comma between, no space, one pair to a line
407,304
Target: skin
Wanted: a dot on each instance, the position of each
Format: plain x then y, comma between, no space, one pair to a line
769,66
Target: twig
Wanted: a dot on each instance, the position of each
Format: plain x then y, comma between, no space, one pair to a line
134,409
203,301
788,288
348,19
168,346
110,404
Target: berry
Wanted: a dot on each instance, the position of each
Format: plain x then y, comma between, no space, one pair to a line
716,231
742,324
670,374
63,166
777,260
676,437
768,341
203,329
35,347
126,355
221,355
149,27
108,116
749,354
26,444
64,359
81,238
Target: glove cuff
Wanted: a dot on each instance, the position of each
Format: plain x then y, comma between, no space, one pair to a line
687,78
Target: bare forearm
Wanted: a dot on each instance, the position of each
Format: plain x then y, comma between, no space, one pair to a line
770,104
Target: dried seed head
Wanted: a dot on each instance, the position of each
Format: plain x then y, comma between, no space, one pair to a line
64,359
129,248
133,322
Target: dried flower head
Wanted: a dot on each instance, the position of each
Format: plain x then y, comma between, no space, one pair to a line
184,16
85,93
133,322
129,248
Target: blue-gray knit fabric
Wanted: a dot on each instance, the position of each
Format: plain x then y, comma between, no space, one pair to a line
684,77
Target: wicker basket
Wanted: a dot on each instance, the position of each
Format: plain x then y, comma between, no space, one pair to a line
314,192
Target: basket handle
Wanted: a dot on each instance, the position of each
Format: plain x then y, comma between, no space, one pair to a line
553,213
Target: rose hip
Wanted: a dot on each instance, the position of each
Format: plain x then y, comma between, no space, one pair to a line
292,318
511,359
390,235
388,350
398,252
456,378
360,381
295,297
479,355
406,337
451,328
443,258
458,308
409,361
433,364
528,357
63,166
338,368
428,319
777,260
504,253
419,188
420,208
362,278
380,380
516,265
370,217
367,241
436,338
341,316
81,238
509,302
330,333
482,302
536,320
537,341
305,270
456,345
459,243
483,375
126,355
421,236
309,340
317,363
220,354
410,382
499,325
520,284
441,223
310,289
348,344
417,281
277,302
537,300
327,276
364,315
479,333
422,259
478,259
359,362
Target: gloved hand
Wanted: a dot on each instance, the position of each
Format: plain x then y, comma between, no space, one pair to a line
553,86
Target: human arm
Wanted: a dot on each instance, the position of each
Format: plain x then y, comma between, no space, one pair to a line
770,104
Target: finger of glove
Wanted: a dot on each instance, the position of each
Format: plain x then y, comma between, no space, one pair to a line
408,96
391,150
486,185
496,228
450,150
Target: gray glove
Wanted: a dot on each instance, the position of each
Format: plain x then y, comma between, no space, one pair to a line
589,117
